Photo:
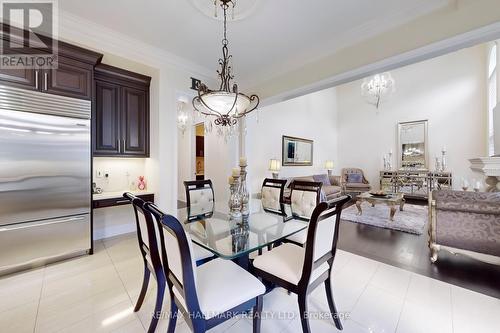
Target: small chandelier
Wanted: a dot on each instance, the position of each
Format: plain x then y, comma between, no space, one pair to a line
226,104
378,88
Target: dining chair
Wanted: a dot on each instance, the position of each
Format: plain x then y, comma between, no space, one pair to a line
209,294
305,196
200,198
272,195
148,244
200,201
301,269
148,239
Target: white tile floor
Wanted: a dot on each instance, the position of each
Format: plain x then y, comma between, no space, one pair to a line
97,294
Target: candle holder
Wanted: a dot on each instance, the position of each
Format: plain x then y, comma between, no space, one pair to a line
439,167
243,192
235,200
443,160
389,161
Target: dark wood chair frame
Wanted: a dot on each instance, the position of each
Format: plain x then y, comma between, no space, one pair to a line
151,250
193,185
323,211
193,314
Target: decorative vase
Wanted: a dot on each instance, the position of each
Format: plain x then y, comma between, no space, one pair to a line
243,191
234,199
141,185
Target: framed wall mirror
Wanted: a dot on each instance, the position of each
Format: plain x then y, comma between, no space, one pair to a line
412,145
297,151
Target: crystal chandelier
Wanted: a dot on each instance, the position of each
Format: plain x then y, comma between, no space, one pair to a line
226,104
378,88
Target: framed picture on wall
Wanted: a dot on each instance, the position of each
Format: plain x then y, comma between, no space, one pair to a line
296,151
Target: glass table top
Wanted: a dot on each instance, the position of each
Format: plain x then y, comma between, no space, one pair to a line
232,239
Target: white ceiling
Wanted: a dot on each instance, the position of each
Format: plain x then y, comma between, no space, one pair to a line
278,36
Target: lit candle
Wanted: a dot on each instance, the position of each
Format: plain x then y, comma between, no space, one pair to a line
230,180
243,161
236,172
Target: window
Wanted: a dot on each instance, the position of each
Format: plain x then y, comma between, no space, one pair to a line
492,96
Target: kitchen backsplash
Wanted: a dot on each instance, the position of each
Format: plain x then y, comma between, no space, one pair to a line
123,173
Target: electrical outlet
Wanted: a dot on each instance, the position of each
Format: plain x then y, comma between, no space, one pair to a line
99,174
106,173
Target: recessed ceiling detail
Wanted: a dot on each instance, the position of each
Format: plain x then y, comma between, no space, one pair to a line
242,9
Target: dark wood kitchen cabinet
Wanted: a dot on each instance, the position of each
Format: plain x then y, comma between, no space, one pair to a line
20,78
69,79
121,113
72,77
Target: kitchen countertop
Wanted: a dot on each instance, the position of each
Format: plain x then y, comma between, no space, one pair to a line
117,194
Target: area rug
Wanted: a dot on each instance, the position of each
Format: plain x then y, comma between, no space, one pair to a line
412,219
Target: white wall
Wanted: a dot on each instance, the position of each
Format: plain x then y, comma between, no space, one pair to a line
449,91
313,117
122,172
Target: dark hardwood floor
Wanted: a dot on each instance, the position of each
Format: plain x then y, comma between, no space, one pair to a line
410,252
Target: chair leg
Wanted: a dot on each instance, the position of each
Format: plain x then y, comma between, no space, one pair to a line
331,304
160,292
144,289
172,321
304,313
257,315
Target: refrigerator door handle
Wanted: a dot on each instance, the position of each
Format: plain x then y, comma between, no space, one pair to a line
29,225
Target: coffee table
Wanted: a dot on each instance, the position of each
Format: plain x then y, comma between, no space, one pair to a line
391,199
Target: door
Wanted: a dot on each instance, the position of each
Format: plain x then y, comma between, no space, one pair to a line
200,151
45,162
68,80
135,122
107,140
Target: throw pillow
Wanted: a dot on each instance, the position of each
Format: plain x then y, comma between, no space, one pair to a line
354,178
324,179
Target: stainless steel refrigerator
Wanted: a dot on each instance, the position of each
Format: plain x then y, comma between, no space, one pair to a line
45,178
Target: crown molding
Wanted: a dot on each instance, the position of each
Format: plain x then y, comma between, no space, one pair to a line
75,29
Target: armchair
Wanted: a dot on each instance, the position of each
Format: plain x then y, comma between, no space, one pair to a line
354,181
465,222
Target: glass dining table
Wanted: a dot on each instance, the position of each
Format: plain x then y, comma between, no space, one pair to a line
235,240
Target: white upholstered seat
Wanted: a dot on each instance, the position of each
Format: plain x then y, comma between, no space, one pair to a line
303,203
271,198
222,285
201,201
286,262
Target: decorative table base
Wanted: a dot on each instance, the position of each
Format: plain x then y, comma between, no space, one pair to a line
392,200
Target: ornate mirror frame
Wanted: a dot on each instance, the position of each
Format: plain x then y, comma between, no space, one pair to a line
401,127
284,160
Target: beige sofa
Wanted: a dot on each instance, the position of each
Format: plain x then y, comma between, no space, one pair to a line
329,192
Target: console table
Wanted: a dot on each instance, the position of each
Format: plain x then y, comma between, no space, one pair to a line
415,183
